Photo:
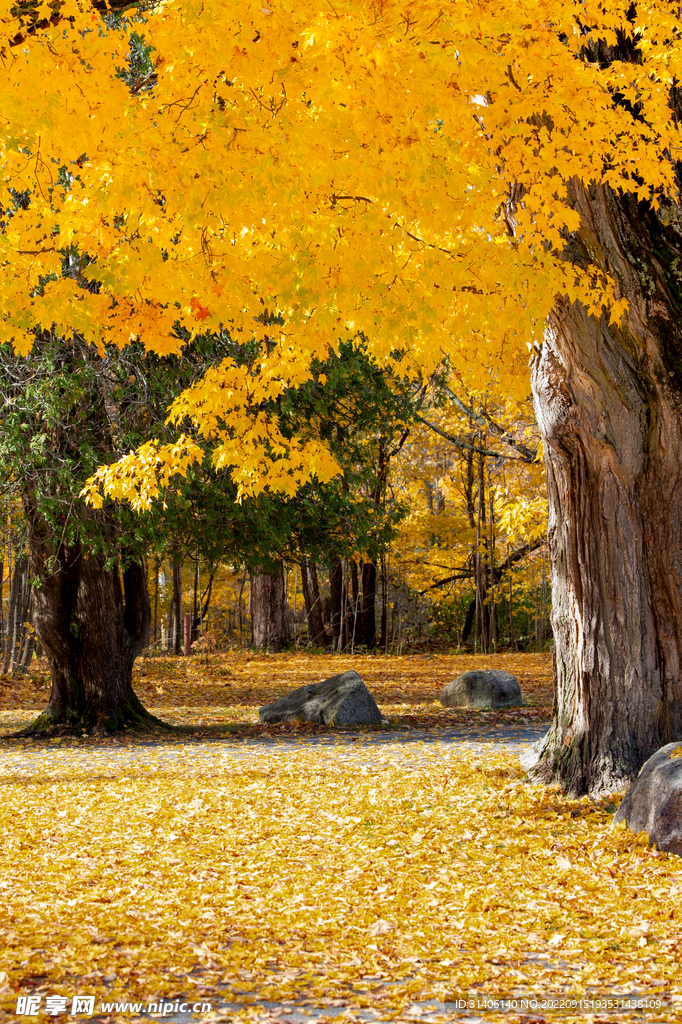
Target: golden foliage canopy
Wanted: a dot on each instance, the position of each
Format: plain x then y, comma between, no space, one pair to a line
300,175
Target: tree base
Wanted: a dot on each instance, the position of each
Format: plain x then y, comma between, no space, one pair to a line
129,715
551,762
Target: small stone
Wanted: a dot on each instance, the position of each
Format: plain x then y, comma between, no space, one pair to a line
340,700
653,803
482,688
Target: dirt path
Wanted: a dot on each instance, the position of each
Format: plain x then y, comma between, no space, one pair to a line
412,750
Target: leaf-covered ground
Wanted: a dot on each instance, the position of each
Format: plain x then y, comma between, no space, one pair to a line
227,690
370,877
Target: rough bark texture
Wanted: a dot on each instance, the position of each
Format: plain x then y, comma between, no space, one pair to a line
609,405
269,610
91,629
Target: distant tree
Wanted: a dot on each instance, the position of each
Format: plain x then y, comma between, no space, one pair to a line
363,413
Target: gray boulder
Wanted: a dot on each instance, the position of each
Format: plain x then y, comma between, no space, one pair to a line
340,700
482,688
653,802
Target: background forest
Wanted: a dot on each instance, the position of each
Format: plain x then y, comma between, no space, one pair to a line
432,534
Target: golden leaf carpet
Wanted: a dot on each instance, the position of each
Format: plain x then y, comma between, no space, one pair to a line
303,873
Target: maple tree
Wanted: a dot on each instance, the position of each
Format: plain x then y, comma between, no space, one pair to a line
433,177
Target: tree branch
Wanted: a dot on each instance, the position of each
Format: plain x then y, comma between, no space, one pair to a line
484,419
466,574
468,447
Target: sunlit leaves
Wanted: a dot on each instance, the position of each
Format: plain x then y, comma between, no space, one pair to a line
400,170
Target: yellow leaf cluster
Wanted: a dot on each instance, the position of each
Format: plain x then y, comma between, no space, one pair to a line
396,168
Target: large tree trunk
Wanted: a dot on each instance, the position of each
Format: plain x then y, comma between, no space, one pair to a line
609,405
269,610
91,629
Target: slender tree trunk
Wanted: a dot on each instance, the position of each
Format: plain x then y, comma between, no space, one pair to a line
23,648
492,604
196,601
543,599
294,619
336,593
469,621
383,641
15,614
91,629
156,601
512,640
313,604
239,604
176,608
202,612
28,647
478,631
347,604
269,610
21,630
354,603
369,589
609,404
344,605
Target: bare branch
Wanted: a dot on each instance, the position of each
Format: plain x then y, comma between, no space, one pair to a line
467,574
469,447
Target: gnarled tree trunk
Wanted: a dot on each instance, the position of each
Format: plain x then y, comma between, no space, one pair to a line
91,629
269,610
609,404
